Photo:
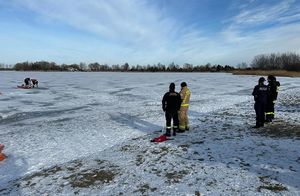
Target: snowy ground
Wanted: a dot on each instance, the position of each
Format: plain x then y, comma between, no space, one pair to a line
89,133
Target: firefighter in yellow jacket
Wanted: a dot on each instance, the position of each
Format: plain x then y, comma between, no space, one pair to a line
185,94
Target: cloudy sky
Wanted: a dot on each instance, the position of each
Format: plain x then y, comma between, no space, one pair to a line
147,31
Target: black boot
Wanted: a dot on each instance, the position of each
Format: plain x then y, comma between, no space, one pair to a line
181,131
174,132
168,133
257,125
268,118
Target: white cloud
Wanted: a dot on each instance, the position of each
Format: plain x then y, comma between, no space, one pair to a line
136,32
130,22
260,29
265,13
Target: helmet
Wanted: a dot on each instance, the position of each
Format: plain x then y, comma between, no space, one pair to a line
183,84
271,78
261,80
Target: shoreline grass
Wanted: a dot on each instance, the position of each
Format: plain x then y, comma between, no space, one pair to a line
282,73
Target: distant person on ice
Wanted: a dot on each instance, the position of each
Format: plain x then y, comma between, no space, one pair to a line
27,81
273,87
31,82
35,83
185,94
171,105
260,93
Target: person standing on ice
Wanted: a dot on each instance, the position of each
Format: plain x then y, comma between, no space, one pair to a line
185,95
273,86
260,93
171,105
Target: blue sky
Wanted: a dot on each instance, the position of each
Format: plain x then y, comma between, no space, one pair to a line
147,31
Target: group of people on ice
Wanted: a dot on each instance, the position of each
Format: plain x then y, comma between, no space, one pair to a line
265,97
32,83
176,105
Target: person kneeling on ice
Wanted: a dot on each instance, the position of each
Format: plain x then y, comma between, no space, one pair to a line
260,93
27,82
171,105
35,83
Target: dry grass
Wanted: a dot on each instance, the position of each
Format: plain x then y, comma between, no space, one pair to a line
266,73
87,178
280,129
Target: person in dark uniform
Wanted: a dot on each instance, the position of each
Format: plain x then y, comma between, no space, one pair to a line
273,86
171,105
27,81
260,93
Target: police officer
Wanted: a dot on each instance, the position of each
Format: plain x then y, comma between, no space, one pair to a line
260,93
185,94
273,87
171,105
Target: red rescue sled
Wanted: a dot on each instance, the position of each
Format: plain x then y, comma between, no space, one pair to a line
25,87
161,138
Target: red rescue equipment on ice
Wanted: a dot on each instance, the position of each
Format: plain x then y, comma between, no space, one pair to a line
2,155
161,138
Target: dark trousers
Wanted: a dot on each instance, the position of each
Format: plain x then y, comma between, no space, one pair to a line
169,116
260,113
270,111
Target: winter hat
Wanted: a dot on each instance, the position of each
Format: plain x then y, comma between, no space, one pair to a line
271,78
261,80
172,86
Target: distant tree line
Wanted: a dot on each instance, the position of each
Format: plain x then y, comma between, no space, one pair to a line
275,61
4,67
284,61
51,66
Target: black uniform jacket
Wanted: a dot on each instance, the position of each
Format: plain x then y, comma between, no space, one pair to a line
171,101
273,90
260,93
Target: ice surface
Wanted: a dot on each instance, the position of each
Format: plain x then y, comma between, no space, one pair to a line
76,115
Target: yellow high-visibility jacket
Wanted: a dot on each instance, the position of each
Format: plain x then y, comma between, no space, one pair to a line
185,94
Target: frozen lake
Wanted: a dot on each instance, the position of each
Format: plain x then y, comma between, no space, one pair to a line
75,115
